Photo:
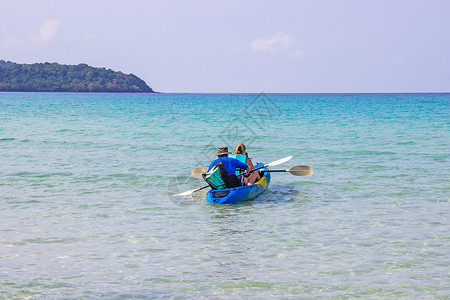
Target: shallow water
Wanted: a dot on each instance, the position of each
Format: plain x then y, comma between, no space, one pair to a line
87,210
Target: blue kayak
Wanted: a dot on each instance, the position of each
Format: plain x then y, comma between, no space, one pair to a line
242,193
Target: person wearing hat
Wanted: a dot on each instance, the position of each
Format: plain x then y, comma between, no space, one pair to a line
227,166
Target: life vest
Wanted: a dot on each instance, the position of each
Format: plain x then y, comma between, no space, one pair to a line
241,158
212,177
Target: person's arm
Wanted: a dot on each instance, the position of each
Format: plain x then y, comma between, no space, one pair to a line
251,166
248,161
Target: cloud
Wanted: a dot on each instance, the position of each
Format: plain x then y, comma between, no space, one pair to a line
275,44
279,43
46,33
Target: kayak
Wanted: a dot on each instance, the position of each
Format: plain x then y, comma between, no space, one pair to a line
242,193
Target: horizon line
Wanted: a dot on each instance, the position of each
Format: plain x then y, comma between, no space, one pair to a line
228,93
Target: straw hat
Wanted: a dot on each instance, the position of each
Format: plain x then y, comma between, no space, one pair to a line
222,151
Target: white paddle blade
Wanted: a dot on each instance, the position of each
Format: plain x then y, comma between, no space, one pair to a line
187,193
197,172
301,170
279,162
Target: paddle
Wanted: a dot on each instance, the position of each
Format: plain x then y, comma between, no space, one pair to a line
298,170
197,172
271,164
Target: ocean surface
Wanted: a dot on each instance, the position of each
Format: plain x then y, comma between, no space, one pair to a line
87,207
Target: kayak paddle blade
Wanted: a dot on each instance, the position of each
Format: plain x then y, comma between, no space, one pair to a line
197,172
301,170
187,193
279,162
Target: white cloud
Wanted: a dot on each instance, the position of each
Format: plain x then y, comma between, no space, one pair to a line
275,44
47,31
279,43
45,34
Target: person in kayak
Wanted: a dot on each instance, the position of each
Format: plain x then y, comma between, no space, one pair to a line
242,156
227,166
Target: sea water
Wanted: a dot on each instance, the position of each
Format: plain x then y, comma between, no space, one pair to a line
87,207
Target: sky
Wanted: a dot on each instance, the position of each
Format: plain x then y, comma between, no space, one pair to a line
207,46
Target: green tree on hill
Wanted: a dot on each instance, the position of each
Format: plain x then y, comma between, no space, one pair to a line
53,77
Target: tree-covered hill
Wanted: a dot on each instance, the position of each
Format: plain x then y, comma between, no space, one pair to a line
6,63
53,77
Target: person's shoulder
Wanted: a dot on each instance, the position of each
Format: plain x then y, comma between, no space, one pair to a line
213,163
226,158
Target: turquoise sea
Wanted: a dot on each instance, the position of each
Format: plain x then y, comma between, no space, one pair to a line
86,205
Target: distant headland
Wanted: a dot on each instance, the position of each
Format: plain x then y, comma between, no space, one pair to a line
54,77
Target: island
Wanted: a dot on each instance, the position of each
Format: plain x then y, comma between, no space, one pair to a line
54,77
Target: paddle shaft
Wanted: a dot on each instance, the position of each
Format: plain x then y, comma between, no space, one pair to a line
203,187
298,170
251,171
